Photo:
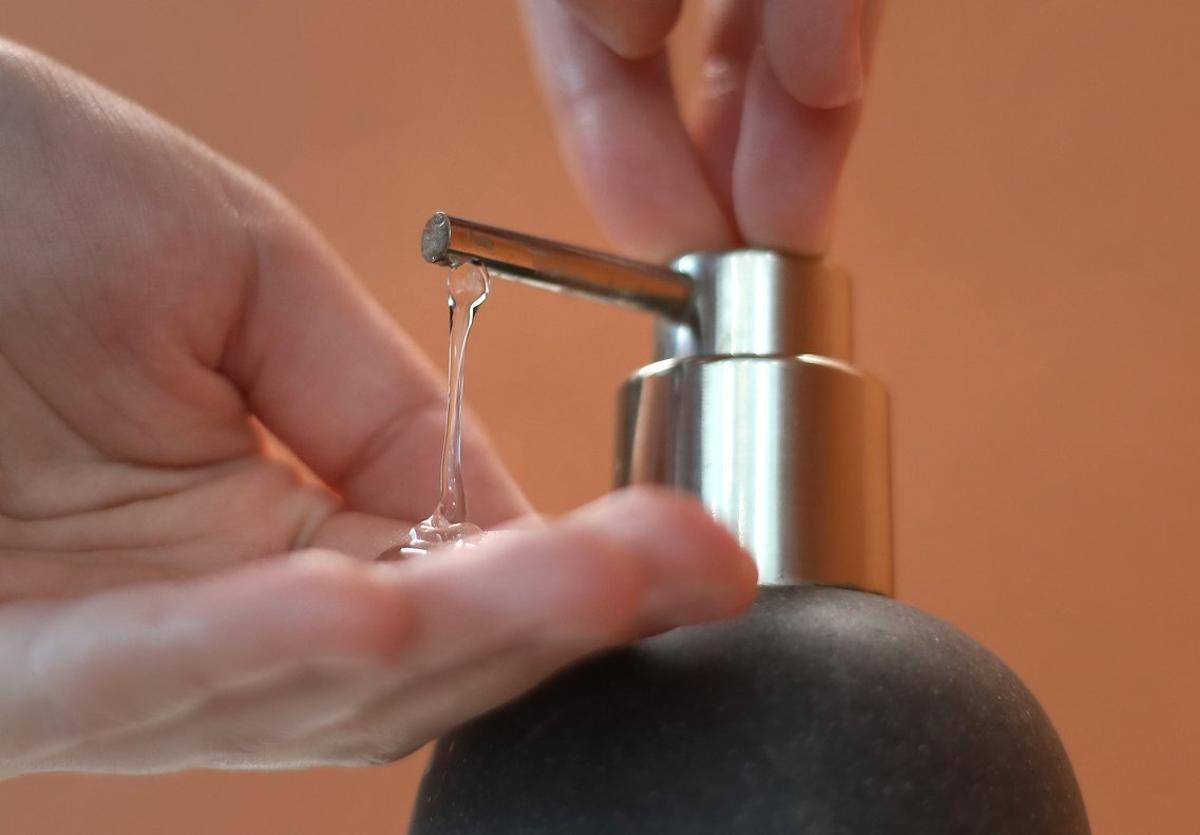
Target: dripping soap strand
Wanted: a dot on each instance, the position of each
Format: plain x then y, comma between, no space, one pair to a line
467,286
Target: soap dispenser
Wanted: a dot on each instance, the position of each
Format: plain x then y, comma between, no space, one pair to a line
827,709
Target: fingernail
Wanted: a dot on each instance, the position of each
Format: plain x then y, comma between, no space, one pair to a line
850,85
856,74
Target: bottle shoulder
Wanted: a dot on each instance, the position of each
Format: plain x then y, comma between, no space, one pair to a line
820,710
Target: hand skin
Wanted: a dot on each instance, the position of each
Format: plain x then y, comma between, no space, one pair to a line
778,103
173,593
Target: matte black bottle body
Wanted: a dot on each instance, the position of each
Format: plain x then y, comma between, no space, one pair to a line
824,711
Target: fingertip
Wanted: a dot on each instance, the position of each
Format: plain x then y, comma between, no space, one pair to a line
823,88
788,164
815,50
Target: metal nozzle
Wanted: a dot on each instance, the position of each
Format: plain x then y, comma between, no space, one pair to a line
555,266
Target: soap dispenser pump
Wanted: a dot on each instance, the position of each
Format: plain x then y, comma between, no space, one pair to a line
829,707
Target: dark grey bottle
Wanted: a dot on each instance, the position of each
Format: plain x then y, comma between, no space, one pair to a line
829,708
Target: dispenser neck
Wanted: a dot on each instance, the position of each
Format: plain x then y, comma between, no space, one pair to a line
760,302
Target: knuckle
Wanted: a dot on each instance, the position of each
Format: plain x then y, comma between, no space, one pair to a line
247,745
608,584
373,752
388,756
26,82
370,618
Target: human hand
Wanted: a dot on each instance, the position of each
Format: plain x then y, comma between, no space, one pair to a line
173,594
779,100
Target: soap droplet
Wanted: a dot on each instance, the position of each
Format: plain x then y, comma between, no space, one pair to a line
427,536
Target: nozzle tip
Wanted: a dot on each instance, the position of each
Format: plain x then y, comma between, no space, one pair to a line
435,239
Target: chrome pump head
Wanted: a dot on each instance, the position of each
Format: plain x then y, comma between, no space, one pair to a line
752,404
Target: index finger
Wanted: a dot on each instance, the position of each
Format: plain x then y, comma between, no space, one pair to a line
332,376
799,111
624,139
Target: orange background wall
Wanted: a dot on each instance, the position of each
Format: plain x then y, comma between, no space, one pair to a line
1021,217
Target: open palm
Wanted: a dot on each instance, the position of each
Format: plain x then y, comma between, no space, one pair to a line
161,312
